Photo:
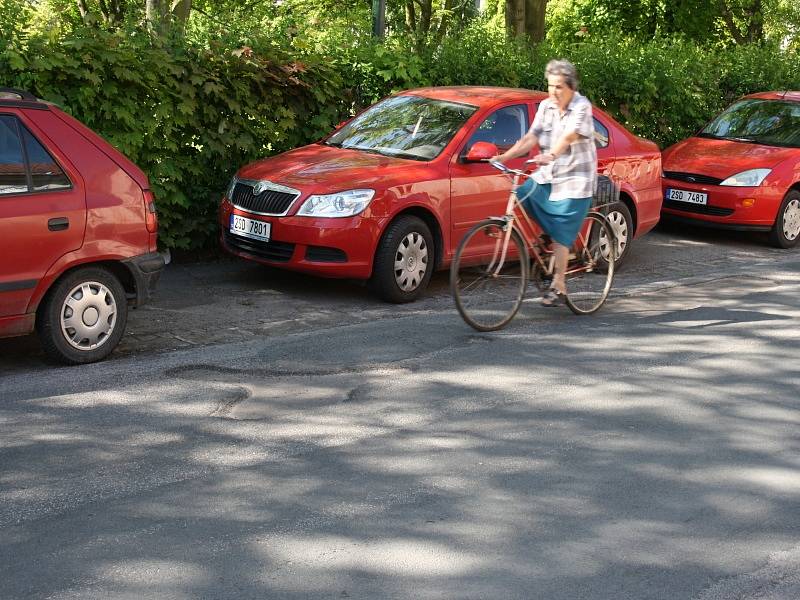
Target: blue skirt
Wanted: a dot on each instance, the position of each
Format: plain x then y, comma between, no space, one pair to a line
560,219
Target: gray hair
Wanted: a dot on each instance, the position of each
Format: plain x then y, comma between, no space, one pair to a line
565,69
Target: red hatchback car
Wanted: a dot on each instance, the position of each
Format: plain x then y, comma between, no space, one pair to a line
388,196
77,232
742,170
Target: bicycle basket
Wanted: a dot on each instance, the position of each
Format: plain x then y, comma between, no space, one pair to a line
607,193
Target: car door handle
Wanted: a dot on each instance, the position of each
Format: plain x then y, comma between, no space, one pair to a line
58,224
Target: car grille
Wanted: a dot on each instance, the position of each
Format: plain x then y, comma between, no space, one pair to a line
691,178
702,209
268,202
272,250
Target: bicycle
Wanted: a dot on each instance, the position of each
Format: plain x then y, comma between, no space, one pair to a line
497,257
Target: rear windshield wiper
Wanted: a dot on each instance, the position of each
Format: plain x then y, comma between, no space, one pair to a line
741,139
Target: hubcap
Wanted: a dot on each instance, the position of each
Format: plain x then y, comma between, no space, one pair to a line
791,220
411,262
88,315
604,246
620,228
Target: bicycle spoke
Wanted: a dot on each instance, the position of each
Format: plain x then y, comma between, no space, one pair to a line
590,273
487,283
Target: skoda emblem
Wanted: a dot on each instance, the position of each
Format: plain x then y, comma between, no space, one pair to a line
692,179
261,187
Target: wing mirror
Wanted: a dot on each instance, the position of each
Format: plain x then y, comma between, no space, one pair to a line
481,151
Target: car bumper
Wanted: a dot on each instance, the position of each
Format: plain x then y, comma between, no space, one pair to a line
146,270
340,247
739,208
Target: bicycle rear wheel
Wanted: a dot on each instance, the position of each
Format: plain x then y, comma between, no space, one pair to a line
488,277
591,267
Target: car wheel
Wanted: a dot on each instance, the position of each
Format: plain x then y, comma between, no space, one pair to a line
786,230
404,260
83,316
619,217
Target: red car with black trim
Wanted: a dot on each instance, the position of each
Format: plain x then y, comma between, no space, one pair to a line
78,232
741,171
388,196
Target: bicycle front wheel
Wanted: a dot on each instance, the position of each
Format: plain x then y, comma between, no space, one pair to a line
488,275
591,267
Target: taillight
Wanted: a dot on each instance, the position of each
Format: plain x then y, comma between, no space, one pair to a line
151,218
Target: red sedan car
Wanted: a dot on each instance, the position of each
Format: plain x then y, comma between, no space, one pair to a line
388,196
742,171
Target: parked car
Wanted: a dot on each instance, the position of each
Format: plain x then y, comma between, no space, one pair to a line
78,228
388,196
742,170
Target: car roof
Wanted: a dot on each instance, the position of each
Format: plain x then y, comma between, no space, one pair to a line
11,97
476,95
782,95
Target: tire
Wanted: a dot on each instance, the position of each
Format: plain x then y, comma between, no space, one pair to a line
488,287
83,316
621,221
404,261
591,270
786,230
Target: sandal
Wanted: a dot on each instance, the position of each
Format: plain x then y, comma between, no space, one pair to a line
553,297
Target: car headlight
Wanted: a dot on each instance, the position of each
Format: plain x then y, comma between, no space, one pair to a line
340,204
231,186
749,178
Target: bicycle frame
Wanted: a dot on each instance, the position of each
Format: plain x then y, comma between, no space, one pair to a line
529,229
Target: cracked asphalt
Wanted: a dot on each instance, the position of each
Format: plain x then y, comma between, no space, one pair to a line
261,434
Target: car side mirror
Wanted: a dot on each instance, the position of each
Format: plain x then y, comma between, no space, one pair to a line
481,151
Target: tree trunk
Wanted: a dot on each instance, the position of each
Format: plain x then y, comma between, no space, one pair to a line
445,22
84,10
154,16
515,18
534,19
755,30
411,17
180,10
424,24
753,18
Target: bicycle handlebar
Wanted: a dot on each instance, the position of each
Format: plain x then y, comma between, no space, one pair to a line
504,169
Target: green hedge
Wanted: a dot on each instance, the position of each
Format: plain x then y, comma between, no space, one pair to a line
190,116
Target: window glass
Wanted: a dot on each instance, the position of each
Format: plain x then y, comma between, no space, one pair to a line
600,134
404,126
502,128
757,121
13,179
46,173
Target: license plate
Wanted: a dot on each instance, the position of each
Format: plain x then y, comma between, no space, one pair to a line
257,230
687,196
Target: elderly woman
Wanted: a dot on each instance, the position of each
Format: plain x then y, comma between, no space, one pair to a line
559,192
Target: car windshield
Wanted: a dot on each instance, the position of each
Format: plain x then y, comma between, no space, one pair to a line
770,122
405,127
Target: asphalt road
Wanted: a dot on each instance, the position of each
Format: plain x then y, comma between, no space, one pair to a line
267,435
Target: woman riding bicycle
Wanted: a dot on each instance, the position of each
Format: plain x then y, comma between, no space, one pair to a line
558,194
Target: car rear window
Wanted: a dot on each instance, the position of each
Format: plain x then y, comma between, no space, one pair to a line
46,175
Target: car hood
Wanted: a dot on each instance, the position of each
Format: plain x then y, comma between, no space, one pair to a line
319,169
721,158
